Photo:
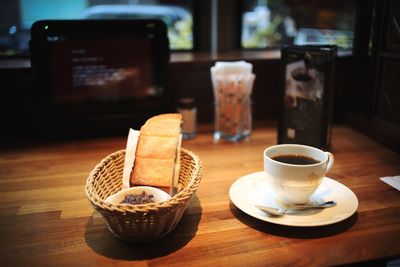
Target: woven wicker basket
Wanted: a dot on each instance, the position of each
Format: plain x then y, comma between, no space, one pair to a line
141,222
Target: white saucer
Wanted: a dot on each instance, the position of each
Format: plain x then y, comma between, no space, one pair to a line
253,189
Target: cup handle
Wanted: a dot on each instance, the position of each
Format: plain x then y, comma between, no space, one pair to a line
331,160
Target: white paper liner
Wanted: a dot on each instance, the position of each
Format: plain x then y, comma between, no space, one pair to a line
177,168
130,152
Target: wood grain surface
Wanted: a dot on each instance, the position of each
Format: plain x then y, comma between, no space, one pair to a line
46,219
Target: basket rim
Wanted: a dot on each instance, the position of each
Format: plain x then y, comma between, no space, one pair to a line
175,200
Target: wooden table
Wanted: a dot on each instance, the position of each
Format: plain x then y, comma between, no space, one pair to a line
46,220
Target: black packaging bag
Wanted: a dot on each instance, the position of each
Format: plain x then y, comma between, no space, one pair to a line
306,95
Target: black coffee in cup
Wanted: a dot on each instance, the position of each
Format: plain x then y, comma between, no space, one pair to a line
295,159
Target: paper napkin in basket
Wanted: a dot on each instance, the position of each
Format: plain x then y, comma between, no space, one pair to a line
130,151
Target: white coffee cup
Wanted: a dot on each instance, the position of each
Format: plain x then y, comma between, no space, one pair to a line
295,183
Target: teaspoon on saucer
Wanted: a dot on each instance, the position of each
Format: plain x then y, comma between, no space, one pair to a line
282,211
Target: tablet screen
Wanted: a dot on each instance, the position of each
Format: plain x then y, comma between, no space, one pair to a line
101,69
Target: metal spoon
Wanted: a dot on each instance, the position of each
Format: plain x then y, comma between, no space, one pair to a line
282,211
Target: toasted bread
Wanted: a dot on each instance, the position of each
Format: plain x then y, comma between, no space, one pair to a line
166,125
156,162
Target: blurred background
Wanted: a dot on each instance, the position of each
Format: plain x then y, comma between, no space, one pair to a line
264,23
366,32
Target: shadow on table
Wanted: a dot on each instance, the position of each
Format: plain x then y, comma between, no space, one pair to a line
293,231
103,242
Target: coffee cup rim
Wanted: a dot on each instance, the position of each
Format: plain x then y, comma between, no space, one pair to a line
298,146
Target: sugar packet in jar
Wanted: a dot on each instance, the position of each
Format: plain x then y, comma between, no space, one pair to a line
232,86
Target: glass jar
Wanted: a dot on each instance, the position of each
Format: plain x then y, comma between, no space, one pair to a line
187,108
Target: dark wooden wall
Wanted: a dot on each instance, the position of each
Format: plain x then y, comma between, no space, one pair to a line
375,96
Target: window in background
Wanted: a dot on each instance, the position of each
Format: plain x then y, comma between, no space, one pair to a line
272,23
18,16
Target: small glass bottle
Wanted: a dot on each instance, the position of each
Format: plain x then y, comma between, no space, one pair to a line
187,108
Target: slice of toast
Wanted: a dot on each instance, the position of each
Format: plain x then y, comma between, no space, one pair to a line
156,147
167,125
157,150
